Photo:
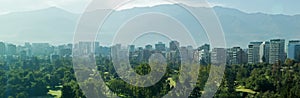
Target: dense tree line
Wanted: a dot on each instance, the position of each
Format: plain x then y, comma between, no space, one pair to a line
262,80
35,77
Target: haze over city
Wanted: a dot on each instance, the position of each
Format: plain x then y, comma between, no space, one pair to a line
37,24
149,49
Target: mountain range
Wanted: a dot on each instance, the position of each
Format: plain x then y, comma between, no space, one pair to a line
55,25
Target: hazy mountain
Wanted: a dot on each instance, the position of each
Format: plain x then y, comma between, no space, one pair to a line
56,25
242,27
46,25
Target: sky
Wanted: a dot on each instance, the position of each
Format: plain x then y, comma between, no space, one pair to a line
288,7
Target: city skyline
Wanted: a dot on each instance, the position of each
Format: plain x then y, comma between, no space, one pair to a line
149,48
244,46
257,52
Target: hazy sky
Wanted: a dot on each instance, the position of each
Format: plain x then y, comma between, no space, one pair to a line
289,7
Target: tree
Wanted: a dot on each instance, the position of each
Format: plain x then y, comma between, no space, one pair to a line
72,90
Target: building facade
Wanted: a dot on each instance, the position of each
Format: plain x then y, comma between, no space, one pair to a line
253,52
2,49
264,52
236,55
277,53
218,56
293,49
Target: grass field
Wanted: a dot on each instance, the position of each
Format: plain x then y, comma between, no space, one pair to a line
243,89
55,93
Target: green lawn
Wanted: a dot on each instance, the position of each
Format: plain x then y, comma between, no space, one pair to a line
243,89
55,93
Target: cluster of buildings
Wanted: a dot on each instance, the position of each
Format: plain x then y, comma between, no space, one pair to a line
42,50
174,53
272,51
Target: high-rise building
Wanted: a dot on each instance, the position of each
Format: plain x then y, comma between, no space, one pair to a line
173,55
264,52
41,49
149,47
218,56
297,53
277,53
123,55
236,55
205,47
190,52
253,52
97,48
160,47
11,50
140,54
105,51
203,54
244,56
22,55
96,44
28,49
2,49
131,48
115,51
184,56
147,52
292,49
174,45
